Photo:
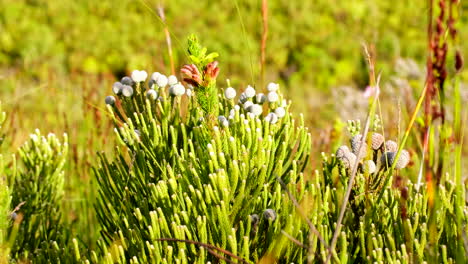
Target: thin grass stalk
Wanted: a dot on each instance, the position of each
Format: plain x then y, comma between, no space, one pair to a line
264,40
168,38
370,115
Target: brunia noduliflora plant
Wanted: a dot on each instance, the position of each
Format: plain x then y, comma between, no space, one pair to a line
196,174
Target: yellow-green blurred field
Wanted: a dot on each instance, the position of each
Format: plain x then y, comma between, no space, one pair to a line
59,58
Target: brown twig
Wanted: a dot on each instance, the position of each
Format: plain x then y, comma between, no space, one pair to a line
207,246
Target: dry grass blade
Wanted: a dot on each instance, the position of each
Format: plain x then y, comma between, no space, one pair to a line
370,114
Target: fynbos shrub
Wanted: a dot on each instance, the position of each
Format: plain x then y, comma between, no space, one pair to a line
197,175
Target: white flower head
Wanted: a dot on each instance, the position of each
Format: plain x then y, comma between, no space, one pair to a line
272,87
249,92
139,76
110,100
177,89
127,90
272,118
230,93
260,98
189,92
172,80
223,121
247,105
256,109
280,112
162,81
237,107
272,97
127,81
117,87
155,76
152,94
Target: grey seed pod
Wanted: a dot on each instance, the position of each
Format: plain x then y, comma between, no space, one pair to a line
230,93
377,141
110,100
243,98
403,160
388,158
341,151
127,90
269,214
280,112
272,118
249,92
152,94
391,146
272,97
247,105
255,109
127,81
254,218
369,167
356,143
172,80
151,83
117,88
272,87
260,98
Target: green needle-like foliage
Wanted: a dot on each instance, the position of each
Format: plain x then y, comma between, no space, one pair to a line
181,190
38,191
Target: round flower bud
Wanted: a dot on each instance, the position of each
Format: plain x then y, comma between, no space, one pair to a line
272,118
280,112
162,81
269,214
403,160
110,100
247,104
260,98
377,141
249,92
127,90
189,92
272,87
139,76
255,109
369,167
341,152
177,90
356,143
391,146
230,93
155,76
387,158
349,160
243,98
272,97
237,108
152,94
127,81
172,80
117,87
254,219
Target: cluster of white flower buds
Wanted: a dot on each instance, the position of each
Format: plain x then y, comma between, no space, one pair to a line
127,85
387,150
252,104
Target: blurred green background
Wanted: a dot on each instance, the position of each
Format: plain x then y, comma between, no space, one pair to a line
59,58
